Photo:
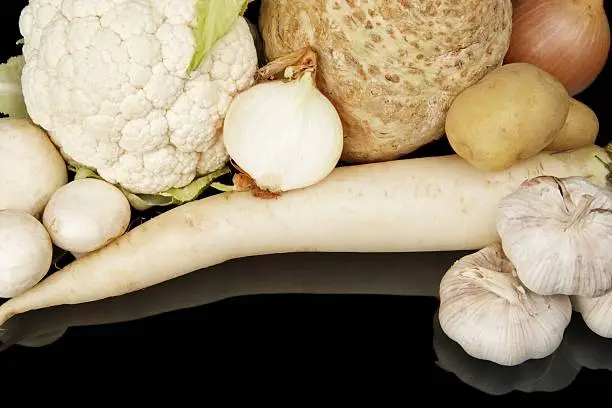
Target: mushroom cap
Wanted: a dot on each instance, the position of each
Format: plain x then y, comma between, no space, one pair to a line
26,252
86,214
31,168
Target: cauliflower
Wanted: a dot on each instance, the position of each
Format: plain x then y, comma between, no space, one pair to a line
109,81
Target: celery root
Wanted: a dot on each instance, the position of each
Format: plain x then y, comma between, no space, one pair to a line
411,205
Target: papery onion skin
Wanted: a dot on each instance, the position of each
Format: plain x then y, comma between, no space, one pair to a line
570,39
284,135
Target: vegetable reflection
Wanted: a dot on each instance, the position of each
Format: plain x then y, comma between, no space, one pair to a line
581,348
587,348
416,274
408,274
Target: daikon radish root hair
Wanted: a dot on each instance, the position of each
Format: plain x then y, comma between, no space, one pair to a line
404,274
412,205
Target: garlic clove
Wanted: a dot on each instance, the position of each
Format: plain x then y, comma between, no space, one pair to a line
596,313
492,316
557,233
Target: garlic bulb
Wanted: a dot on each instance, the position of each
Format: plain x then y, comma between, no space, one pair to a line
492,316
549,374
284,134
596,313
558,233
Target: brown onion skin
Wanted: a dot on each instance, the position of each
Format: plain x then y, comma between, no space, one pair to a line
570,39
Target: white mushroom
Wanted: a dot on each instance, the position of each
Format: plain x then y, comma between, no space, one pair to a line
26,252
86,214
31,168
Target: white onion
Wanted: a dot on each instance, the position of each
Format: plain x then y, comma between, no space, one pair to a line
284,134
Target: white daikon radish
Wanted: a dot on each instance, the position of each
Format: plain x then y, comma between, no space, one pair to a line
412,205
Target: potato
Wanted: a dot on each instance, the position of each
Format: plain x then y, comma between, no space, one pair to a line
512,114
391,68
580,129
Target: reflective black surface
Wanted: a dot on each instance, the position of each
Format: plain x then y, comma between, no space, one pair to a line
310,320
370,315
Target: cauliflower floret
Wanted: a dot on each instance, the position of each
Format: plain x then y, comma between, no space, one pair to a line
107,79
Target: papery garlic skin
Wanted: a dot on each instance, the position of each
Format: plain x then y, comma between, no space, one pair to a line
596,313
284,135
486,310
558,233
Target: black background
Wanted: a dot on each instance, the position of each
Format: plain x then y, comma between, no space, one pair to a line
304,344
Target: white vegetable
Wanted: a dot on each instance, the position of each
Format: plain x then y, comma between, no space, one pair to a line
413,274
136,90
26,252
284,134
558,234
412,205
31,168
391,67
596,313
85,215
11,98
492,316
549,374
